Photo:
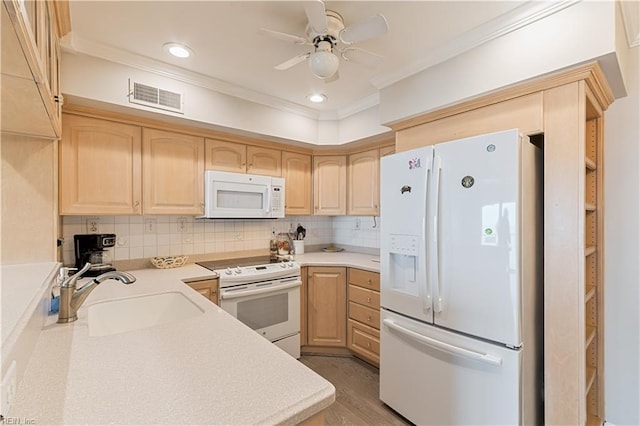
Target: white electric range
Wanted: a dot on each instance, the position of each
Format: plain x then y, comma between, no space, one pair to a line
263,295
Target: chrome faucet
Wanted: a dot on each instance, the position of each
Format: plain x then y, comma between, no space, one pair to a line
71,298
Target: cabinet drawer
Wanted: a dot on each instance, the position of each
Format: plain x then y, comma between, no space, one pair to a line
365,315
364,297
366,279
364,341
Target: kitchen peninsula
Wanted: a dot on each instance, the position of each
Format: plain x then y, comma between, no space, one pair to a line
208,369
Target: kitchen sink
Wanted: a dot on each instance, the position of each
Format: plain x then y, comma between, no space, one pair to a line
136,313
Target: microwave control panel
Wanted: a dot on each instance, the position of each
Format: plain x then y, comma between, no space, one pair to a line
277,195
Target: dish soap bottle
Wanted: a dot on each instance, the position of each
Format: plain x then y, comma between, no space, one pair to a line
273,246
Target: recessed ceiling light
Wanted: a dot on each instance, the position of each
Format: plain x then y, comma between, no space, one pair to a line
317,98
178,50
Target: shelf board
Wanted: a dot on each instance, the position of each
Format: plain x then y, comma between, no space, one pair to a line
591,378
590,207
589,163
588,251
591,334
590,293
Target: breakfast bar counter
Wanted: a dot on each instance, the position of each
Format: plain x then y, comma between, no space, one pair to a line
206,369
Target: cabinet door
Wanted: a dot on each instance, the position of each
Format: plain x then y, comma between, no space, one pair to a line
173,173
263,161
329,185
99,169
296,170
364,184
226,156
327,306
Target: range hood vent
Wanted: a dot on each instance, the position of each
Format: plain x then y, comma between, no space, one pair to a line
154,97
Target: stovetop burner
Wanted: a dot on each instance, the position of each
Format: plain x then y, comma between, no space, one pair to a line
239,262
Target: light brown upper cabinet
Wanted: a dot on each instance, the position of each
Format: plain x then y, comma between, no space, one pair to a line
296,171
364,184
237,157
329,185
264,161
30,38
99,169
173,173
226,156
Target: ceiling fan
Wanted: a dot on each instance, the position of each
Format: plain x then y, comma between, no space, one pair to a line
328,35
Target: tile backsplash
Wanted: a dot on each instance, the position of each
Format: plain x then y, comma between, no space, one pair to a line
140,237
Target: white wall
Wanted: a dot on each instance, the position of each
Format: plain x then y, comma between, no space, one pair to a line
91,80
622,245
579,33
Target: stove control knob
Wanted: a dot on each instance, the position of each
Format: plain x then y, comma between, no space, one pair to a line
238,270
228,271
290,264
283,265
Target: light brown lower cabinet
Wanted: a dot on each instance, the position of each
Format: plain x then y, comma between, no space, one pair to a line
207,288
363,327
340,312
326,306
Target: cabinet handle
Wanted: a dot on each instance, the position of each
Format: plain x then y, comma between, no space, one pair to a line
368,300
369,318
368,344
369,281
136,204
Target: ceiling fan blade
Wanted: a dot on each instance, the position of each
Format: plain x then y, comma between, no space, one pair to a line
361,57
374,27
317,17
284,37
292,62
333,78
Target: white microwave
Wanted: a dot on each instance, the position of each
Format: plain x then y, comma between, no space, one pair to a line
242,196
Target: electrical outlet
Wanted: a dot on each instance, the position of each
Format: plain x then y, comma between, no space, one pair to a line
358,223
8,391
93,225
183,225
150,226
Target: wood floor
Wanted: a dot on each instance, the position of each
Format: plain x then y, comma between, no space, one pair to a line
356,384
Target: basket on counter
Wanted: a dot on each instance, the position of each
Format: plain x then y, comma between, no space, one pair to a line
166,262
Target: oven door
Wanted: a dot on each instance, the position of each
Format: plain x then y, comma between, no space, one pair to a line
271,308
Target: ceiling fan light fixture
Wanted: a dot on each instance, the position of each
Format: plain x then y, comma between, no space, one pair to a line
317,98
323,64
178,50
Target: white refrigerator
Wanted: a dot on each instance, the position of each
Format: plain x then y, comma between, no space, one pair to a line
461,281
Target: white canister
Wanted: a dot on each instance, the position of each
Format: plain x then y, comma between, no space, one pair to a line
298,246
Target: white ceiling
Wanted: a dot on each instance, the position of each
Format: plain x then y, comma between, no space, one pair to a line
234,57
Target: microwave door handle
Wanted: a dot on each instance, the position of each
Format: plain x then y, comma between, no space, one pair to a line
268,206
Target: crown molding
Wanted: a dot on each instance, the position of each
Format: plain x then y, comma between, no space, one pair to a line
76,45
631,18
511,21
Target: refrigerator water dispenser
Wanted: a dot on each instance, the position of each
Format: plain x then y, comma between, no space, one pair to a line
403,263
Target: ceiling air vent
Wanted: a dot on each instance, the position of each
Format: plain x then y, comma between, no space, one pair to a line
155,97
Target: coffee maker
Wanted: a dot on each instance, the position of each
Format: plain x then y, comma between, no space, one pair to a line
91,248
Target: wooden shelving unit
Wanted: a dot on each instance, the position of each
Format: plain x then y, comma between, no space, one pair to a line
594,260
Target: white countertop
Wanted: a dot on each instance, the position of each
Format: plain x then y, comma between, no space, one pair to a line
210,369
367,262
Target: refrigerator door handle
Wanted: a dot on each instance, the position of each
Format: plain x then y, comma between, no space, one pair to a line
426,297
435,245
446,347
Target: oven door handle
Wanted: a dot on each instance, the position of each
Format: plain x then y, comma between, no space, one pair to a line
237,294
